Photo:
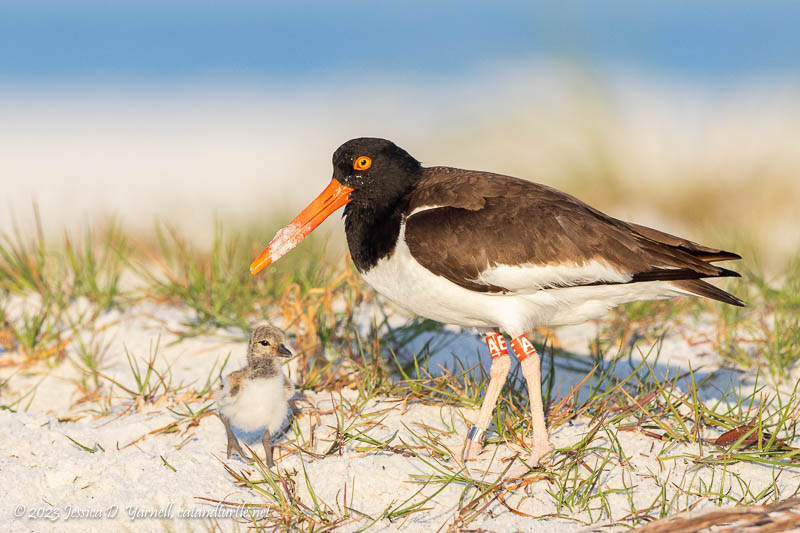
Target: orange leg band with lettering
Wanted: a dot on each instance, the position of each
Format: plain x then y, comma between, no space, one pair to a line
497,345
523,347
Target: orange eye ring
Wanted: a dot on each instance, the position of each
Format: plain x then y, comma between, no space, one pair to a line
362,162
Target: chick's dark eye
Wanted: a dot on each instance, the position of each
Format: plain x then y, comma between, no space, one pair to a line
263,343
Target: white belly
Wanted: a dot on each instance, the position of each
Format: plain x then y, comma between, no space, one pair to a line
403,280
260,403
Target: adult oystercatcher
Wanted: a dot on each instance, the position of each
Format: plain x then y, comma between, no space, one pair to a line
494,252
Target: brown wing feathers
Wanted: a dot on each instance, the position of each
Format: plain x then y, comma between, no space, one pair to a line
484,219
703,253
702,288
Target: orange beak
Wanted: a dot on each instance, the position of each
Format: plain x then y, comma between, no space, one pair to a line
332,198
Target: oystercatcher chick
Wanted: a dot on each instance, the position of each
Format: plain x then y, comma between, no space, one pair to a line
259,395
497,253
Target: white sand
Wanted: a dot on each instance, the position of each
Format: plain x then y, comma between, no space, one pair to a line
43,470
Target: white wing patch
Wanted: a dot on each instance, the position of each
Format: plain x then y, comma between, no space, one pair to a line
528,277
423,208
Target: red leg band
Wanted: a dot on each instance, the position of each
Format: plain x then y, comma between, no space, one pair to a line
497,345
523,347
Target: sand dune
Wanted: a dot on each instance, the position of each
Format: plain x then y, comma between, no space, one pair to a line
688,157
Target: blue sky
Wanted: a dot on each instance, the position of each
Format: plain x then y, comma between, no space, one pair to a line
55,40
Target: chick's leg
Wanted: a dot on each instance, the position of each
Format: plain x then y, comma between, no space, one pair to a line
266,440
233,443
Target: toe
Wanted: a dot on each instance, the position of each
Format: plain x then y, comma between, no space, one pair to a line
471,450
540,453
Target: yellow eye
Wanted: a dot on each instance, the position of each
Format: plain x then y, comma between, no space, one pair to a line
362,162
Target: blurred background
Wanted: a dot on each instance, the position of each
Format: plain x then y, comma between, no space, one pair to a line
683,115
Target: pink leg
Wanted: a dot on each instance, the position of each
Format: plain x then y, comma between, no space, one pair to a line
531,369
501,364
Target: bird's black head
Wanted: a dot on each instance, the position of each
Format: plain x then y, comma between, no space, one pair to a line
378,171
370,177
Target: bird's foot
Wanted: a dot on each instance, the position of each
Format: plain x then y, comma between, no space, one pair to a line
233,442
473,444
539,456
246,458
294,406
235,446
540,453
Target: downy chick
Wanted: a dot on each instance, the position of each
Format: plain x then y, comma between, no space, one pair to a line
258,395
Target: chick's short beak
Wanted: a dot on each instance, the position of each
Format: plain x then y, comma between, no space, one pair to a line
283,351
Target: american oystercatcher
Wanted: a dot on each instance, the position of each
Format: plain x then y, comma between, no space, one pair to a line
259,395
494,252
